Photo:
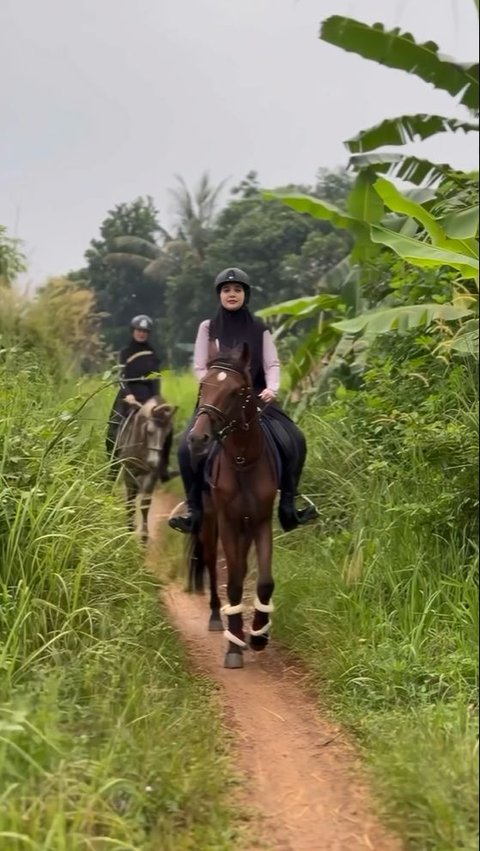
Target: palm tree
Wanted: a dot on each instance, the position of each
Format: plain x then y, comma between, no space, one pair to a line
195,211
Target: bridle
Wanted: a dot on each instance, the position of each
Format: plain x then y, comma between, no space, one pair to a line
221,418
150,438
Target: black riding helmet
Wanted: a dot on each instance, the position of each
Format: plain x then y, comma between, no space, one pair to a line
233,276
141,323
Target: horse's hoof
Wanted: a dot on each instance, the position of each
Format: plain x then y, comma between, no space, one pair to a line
233,660
258,642
215,624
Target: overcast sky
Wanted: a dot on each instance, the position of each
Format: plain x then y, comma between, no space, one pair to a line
105,100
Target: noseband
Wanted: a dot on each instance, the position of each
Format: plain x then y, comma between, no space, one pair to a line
215,414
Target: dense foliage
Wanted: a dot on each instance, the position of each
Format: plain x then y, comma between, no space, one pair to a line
136,763
137,266
375,295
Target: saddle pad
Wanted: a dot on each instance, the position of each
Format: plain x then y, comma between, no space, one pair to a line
271,443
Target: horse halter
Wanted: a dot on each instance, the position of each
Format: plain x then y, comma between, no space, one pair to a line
214,413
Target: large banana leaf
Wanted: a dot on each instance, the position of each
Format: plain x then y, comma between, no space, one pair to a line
314,207
466,341
411,169
344,280
400,203
301,308
405,129
396,49
403,318
333,280
423,254
364,202
462,224
308,353
319,209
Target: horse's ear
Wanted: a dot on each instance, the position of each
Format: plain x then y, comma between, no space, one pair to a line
245,355
164,413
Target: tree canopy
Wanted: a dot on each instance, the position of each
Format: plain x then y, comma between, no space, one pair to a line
137,265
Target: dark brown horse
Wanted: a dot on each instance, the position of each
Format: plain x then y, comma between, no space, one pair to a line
239,507
140,443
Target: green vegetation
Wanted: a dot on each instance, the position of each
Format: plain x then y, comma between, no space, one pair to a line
381,600
105,740
432,229
12,260
138,263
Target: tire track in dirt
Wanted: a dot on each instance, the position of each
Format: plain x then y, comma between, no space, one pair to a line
302,779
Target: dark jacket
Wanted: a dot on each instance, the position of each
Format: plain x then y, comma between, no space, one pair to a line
137,361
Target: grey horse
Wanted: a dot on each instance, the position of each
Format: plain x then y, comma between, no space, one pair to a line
140,442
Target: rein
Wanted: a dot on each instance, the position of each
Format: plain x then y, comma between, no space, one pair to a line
230,426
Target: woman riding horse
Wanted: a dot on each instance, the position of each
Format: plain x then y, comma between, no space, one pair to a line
232,326
137,360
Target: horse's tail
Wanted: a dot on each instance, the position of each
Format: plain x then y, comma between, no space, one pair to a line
196,564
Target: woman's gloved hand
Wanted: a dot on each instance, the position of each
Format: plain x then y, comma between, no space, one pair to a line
268,396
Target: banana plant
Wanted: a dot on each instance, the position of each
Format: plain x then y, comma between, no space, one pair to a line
371,201
421,230
398,50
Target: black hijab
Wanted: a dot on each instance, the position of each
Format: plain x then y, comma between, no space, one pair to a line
232,328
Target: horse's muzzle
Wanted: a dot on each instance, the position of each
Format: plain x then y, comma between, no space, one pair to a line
198,446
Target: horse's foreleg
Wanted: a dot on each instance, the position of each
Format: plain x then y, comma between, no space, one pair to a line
259,633
145,502
131,503
209,541
236,543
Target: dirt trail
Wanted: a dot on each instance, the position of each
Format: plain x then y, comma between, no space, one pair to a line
301,777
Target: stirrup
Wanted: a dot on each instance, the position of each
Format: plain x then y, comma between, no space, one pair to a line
305,515
290,517
310,512
188,523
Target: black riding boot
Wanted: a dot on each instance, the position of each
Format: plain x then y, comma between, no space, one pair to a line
189,523
164,474
288,514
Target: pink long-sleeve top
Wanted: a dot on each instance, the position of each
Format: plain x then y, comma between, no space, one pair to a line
271,363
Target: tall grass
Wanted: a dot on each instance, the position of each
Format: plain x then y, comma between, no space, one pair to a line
106,741
380,598
381,602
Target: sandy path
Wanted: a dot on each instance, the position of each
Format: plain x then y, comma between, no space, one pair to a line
301,777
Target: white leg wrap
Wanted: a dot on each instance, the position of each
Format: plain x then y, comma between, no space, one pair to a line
235,640
267,608
232,610
262,631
